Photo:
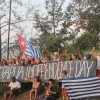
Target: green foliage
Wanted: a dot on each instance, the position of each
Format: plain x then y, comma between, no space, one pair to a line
20,14
49,22
86,15
70,49
87,40
49,41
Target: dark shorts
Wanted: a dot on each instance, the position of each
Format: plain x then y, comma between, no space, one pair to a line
44,97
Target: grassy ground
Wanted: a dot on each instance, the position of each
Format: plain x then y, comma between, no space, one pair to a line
25,95
22,96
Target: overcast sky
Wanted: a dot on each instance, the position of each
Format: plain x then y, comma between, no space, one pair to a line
26,26
41,4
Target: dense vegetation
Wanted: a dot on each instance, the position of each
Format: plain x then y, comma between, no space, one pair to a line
59,26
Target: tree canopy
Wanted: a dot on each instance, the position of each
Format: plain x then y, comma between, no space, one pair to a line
59,26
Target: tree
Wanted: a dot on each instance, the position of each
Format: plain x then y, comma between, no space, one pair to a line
52,26
17,18
87,40
85,14
4,5
50,21
49,41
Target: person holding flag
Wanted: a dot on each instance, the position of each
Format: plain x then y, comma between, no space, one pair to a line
28,49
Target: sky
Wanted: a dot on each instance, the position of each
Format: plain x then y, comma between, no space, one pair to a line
29,31
41,4
28,26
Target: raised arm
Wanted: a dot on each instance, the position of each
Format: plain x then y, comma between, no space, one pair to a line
81,53
93,49
45,50
20,54
94,55
66,54
43,53
59,53
10,56
77,51
28,79
13,54
6,59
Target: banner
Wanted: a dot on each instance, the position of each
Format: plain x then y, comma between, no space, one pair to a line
49,70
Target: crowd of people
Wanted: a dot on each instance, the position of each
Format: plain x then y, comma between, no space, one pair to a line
50,90
22,59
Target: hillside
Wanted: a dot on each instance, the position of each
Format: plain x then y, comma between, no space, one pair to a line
22,96
25,96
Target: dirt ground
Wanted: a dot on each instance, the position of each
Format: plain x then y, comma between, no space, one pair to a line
23,96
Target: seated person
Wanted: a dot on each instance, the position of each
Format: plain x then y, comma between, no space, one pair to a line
50,91
35,87
15,88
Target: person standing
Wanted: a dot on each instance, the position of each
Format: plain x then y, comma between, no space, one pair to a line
64,92
97,56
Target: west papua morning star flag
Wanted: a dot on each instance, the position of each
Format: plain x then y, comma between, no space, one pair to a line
79,88
36,53
28,49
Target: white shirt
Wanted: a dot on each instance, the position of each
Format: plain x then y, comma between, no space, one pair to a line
98,63
13,85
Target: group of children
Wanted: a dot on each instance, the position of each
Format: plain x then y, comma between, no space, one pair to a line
50,89
64,75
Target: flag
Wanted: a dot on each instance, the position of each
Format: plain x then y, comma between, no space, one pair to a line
79,88
36,53
28,49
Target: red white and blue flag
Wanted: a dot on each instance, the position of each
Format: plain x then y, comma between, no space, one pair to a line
28,49
78,88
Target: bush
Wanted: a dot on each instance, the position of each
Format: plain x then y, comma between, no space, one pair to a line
87,40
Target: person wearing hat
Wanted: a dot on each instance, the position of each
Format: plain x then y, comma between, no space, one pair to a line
88,54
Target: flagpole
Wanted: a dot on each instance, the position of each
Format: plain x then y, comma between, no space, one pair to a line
9,27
